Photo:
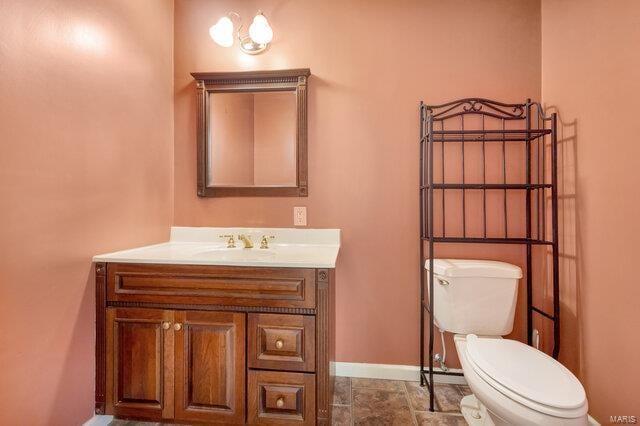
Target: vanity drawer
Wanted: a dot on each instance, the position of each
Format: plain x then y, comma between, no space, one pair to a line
282,342
279,398
211,285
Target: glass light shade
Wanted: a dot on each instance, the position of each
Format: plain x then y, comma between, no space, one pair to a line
260,31
222,32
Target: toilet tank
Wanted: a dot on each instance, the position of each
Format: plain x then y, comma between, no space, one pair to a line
474,296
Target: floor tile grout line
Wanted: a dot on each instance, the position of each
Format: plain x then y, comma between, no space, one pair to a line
442,413
459,387
411,410
351,419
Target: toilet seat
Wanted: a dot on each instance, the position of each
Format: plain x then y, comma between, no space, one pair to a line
527,376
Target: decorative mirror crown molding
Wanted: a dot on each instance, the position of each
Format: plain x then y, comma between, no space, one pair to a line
291,75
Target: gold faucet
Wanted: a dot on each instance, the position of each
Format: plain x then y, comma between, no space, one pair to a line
231,243
246,240
264,243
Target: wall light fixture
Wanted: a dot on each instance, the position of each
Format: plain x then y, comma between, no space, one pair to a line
256,41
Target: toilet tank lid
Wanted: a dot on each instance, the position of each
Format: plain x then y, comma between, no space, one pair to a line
474,268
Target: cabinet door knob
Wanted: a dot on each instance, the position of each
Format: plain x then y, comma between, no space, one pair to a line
166,325
279,344
177,326
280,402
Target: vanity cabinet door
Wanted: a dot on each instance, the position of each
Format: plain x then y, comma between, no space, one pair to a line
139,363
210,366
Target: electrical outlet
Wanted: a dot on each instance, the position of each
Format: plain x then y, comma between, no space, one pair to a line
300,216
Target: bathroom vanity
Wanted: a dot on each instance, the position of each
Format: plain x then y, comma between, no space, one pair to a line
194,330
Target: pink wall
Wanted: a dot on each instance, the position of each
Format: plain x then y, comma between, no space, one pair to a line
590,76
371,63
86,167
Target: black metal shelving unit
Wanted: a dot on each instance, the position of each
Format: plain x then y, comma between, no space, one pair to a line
458,126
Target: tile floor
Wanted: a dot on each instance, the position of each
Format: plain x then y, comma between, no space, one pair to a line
391,402
385,403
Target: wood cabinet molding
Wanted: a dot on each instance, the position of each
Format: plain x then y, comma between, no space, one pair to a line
101,343
325,352
240,308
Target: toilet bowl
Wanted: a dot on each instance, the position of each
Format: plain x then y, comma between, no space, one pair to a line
512,383
515,384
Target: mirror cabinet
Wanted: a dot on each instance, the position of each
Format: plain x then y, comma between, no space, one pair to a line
252,133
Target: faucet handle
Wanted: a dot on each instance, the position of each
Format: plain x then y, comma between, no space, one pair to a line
231,243
264,243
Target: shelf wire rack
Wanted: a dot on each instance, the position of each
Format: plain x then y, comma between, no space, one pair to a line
479,161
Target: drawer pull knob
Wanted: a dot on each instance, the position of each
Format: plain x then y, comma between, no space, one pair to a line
166,325
177,326
279,345
280,402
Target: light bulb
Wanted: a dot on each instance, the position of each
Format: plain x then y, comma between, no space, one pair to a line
222,32
260,19
260,31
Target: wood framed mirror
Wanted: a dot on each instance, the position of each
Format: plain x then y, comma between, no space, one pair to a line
252,133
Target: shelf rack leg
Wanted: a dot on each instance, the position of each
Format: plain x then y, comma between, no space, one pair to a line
556,254
420,264
528,226
431,254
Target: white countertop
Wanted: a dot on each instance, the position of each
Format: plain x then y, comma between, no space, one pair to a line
291,248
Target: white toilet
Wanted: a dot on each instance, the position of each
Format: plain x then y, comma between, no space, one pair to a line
512,383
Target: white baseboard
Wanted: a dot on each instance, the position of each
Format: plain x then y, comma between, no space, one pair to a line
392,372
98,420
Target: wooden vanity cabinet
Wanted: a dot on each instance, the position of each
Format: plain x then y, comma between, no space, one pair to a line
214,344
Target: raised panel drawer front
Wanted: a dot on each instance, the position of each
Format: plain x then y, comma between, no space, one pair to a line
214,285
282,342
279,398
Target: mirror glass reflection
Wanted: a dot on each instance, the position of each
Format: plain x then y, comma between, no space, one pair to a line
252,139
